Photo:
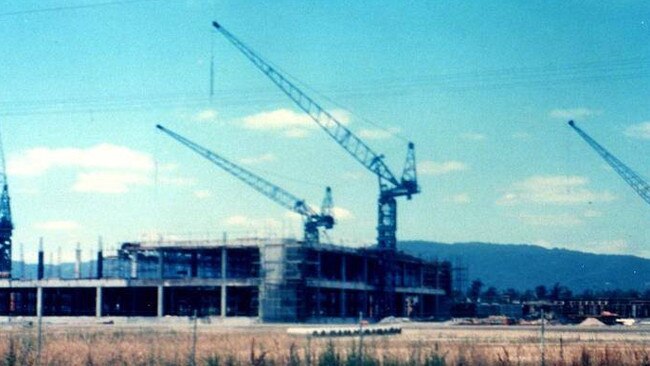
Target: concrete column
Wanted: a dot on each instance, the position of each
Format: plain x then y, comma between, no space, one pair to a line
77,262
22,260
194,264
318,277
343,279
161,264
224,273
160,303
100,259
365,281
39,301
319,272
224,301
224,264
365,270
134,265
59,261
98,301
437,297
421,300
40,270
422,276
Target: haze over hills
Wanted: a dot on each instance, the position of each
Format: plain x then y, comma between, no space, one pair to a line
523,266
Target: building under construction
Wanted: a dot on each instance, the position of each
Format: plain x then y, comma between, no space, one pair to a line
273,280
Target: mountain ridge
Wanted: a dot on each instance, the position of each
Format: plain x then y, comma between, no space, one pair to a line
524,266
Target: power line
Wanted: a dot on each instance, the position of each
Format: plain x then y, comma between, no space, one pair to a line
546,76
71,7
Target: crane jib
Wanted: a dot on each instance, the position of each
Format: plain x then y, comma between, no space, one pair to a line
640,186
258,183
352,144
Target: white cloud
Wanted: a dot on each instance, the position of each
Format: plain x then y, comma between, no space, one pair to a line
57,225
290,123
177,181
429,167
521,136
563,220
473,136
612,246
355,175
37,161
377,133
278,119
109,181
206,115
202,194
342,214
296,133
592,213
605,246
573,113
103,168
27,191
168,167
253,223
294,216
558,190
639,131
236,220
461,198
264,158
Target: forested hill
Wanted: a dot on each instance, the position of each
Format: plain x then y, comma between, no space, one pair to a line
522,266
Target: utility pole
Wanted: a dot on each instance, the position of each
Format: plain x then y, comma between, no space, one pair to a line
543,318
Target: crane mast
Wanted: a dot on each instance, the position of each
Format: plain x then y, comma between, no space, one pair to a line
390,186
312,220
640,186
6,223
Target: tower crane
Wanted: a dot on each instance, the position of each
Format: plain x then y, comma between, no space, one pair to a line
390,187
312,220
6,223
640,186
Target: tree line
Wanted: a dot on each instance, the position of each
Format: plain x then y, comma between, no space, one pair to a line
477,292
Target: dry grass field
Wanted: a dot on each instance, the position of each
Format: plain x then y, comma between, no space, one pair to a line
419,344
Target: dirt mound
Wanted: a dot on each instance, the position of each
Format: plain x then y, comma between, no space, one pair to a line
592,322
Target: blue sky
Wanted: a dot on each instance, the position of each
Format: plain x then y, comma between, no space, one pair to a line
483,89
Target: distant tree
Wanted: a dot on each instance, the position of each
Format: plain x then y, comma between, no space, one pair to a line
528,295
565,293
490,295
646,295
555,292
613,294
559,292
475,290
541,292
587,295
510,295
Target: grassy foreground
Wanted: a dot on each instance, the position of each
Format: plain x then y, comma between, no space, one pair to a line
272,346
